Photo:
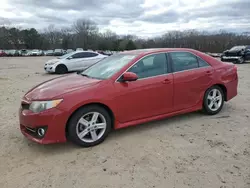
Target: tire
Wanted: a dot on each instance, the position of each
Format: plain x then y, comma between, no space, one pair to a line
61,69
82,123
208,108
240,61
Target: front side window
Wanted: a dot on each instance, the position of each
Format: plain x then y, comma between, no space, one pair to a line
202,63
183,61
108,66
150,66
79,55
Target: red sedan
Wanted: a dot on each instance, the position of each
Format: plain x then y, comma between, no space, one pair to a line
126,89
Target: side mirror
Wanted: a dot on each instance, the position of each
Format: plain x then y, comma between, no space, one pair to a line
129,77
70,58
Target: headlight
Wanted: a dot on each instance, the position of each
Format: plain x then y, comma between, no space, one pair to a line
39,106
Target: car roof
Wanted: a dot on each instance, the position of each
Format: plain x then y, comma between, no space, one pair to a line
156,50
85,51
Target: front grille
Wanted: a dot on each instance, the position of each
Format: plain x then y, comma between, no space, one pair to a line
30,129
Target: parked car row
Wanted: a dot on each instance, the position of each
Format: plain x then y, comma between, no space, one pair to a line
38,52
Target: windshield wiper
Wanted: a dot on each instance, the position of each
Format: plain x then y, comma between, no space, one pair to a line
84,75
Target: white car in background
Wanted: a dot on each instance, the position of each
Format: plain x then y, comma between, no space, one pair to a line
79,49
74,61
35,52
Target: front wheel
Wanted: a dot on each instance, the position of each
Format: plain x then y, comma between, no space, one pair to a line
213,100
240,61
61,69
89,126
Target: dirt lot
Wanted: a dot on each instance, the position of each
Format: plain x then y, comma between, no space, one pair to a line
191,150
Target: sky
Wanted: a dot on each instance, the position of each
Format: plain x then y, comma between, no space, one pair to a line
137,17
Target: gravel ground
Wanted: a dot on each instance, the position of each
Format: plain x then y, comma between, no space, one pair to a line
191,150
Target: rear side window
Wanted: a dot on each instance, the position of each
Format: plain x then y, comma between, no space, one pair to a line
84,55
183,61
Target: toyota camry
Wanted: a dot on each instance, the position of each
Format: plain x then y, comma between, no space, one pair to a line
126,89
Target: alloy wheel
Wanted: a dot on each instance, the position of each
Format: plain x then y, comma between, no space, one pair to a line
214,99
91,127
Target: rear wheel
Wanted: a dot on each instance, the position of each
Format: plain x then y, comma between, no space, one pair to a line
89,126
213,100
61,69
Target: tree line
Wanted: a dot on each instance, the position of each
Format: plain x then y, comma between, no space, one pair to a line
85,34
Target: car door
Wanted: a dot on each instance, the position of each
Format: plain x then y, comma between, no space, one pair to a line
72,61
150,95
192,76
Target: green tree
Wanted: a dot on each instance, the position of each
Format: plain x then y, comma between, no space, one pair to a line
130,45
31,38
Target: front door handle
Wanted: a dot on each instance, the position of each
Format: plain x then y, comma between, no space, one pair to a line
166,81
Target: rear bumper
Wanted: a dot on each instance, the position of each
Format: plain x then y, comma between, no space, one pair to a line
232,89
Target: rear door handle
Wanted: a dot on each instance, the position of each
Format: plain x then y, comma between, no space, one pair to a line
166,81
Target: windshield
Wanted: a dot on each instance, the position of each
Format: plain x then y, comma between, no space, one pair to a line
66,55
237,47
58,50
107,67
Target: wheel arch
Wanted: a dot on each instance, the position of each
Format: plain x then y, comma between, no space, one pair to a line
110,112
223,88
61,64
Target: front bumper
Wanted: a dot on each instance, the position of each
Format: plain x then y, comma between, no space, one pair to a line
230,58
49,68
53,120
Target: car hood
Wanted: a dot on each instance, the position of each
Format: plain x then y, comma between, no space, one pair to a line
59,86
51,61
233,51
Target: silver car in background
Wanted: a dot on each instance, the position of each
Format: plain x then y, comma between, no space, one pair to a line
74,61
35,52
